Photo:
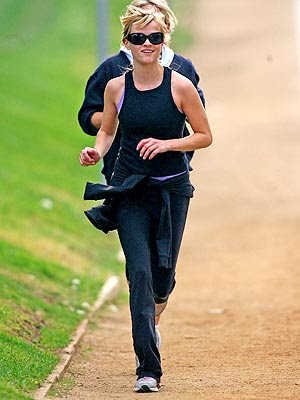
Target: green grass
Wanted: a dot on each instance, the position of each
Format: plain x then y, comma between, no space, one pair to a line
42,305
27,357
182,37
8,392
48,49
116,8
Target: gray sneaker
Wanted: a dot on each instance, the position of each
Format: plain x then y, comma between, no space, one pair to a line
158,342
146,385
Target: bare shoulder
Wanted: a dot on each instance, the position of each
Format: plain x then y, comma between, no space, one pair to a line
115,85
181,83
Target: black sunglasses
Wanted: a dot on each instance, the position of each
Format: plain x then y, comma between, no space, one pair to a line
140,38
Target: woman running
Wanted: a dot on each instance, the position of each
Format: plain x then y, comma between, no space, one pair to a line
150,184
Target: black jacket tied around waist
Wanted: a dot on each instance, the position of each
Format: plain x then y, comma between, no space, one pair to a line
103,216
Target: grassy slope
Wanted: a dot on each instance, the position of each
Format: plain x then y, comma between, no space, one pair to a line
48,49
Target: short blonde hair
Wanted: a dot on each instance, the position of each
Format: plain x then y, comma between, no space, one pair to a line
160,6
143,17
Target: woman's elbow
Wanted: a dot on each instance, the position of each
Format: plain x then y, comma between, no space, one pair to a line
205,140
209,139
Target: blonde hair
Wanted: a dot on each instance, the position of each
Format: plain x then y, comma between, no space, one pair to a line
143,16
160,6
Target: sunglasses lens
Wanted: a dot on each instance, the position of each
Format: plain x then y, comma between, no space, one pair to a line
156,38
137,38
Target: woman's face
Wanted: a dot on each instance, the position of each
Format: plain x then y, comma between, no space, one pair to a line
147,52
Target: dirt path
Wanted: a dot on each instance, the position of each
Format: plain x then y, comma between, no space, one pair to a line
231,330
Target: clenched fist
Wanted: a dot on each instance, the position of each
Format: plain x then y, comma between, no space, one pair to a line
89,156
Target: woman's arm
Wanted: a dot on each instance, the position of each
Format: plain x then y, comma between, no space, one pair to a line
105,136
191,105
187,99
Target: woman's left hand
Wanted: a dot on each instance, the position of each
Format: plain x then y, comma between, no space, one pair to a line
150,147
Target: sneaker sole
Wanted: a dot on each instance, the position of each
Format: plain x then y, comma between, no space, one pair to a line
145,389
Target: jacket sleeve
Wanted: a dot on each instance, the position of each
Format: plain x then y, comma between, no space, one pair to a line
93,100
195,79
185,67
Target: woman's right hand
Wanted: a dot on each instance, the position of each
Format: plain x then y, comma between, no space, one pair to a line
89,156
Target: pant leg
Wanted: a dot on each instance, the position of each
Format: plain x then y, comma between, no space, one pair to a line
164,278
135,233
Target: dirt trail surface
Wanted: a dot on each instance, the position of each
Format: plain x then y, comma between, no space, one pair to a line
231,330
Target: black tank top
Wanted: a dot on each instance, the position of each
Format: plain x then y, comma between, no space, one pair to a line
144,114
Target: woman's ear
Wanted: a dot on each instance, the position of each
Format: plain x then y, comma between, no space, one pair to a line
125,43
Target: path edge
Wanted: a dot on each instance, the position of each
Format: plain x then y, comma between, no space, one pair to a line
108,292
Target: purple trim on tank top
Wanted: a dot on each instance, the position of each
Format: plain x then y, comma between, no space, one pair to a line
120,104
163,178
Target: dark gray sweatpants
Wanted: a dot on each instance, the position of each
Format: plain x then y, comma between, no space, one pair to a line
138,215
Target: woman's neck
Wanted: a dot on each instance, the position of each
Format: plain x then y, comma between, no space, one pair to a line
147,76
